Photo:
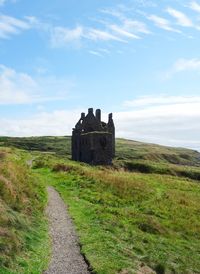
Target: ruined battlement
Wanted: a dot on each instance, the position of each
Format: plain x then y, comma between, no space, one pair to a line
93,141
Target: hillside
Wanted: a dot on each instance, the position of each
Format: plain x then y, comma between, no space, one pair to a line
130,155
140,213
23,228
125,149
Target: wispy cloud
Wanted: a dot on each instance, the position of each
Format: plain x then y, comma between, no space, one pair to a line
162,23
123,31
181,18
21,88
96,53
115,13
102,35
100,52
61,36
147,101
117,24
11,25
195,6
182,65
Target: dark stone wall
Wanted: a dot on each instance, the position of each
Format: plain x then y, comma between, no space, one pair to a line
93,141
96,148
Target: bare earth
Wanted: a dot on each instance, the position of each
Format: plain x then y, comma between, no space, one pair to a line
66,256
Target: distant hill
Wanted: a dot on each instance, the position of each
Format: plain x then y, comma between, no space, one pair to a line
125,149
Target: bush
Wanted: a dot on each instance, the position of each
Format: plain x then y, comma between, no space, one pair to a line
65,168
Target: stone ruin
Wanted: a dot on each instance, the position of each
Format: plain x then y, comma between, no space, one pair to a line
93,141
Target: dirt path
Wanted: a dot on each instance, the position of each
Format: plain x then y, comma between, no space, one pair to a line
66,257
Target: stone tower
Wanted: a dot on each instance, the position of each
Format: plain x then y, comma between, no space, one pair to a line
93,141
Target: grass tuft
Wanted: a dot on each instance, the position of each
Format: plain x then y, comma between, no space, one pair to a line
23,228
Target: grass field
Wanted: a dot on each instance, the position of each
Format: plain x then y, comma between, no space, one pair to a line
142,211
24,242
125,149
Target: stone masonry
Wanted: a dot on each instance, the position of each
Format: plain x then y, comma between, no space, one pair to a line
93,141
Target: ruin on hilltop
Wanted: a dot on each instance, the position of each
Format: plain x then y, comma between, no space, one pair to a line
93,141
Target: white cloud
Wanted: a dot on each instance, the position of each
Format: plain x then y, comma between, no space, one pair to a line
162,23
96,53
182,65
129,29
102,35
171,121
161,100
195,6
167,120
11,25
61,36
21,88
44,123
135,26
122,32
108,30
180,17
187,64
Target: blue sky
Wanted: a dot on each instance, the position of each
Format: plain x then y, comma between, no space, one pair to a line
138,59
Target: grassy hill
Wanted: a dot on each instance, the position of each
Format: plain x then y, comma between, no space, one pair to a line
125,149
141,213
130,155
23,228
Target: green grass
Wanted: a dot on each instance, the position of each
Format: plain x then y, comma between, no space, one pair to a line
124,219
125,149
130,155
55,145
142,210
132,150
24,242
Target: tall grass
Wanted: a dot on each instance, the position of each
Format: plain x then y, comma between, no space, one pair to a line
127,219
22,226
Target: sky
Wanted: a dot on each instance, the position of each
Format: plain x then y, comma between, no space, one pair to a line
138,59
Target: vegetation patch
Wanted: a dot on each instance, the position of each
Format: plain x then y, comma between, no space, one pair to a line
24,243
140,214
126,219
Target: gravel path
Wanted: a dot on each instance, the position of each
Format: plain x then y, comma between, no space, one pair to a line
66,257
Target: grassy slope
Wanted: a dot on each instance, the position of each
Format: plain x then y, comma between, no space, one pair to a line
59,145
130,155
132,150
125,149
127,218
23,229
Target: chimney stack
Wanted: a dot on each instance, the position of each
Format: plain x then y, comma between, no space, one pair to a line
90,110
98,115
82,115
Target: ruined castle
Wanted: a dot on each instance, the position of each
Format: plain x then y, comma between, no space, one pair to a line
93,141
